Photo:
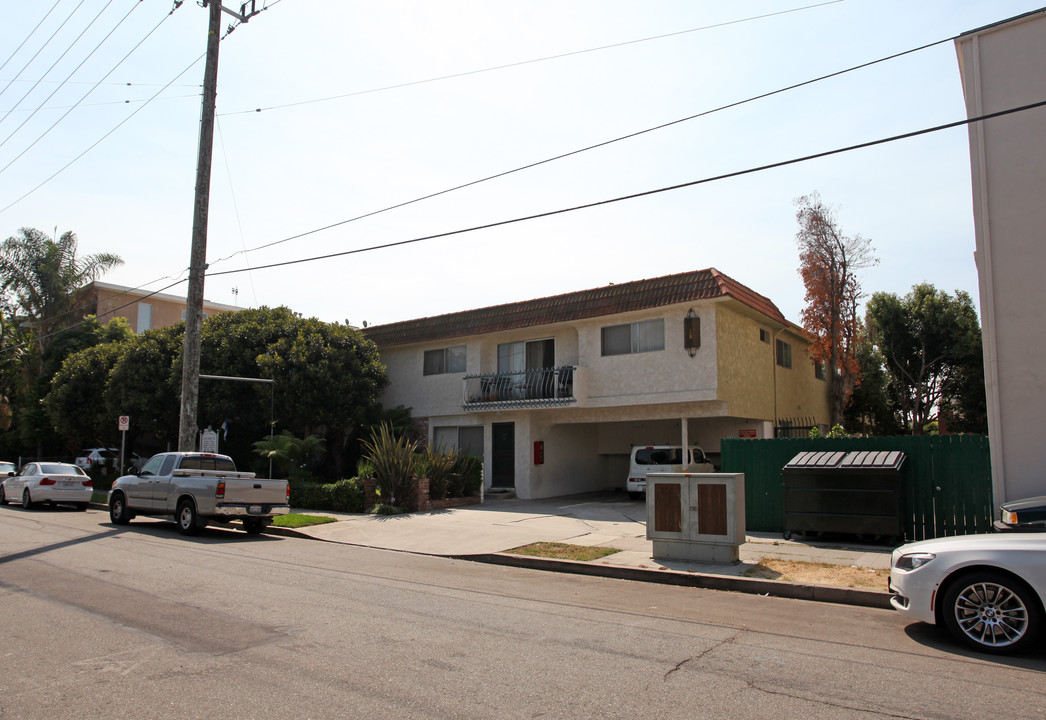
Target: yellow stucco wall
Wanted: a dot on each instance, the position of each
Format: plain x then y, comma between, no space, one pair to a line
751,382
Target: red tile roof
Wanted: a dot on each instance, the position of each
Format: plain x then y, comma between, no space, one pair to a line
610,300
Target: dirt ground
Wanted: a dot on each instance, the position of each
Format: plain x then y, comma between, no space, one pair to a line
819,574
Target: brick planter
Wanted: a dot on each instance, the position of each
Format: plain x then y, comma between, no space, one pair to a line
419,497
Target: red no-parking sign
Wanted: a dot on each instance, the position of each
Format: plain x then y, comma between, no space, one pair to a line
124,423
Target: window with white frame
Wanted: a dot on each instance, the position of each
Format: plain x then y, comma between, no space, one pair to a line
445,360
637,337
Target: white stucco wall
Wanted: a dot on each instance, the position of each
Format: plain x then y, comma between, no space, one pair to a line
1002,68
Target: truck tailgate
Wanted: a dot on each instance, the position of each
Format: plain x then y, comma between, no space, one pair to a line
255,491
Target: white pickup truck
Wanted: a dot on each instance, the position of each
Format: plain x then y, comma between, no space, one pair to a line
197,488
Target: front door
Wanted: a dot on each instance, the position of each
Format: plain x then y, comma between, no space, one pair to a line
503,455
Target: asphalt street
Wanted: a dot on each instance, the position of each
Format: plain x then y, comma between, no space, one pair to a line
139,621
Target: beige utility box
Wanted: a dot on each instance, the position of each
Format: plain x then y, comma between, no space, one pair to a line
698,517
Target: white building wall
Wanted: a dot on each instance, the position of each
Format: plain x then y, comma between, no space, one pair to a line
1003,67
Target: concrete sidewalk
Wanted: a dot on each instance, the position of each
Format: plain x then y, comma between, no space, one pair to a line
484,532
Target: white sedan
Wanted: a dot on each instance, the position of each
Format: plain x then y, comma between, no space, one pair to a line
48,482
988,590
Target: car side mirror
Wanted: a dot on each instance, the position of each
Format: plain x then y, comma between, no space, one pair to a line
132,470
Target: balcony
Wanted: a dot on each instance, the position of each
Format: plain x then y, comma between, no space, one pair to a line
546,387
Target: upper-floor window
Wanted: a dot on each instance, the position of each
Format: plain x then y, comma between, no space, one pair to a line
634,337
784,354
445,360
526,355
764,335
819,371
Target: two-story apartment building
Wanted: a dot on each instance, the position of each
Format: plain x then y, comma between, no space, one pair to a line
553,392
142,310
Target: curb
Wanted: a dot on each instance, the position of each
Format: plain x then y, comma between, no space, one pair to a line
752,586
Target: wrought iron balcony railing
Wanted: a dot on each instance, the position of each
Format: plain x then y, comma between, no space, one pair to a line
545,387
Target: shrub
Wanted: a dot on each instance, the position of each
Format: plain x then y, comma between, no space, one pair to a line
437,467
341,496
467,475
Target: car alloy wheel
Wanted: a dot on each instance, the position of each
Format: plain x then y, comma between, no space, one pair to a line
991,612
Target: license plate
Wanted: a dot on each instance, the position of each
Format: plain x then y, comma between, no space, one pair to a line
254,509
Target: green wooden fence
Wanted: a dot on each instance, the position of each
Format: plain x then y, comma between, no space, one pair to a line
946,485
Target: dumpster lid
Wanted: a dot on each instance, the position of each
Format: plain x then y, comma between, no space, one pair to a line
836,459
823,459
874,459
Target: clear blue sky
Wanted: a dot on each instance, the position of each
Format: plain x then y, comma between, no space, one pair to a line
349,126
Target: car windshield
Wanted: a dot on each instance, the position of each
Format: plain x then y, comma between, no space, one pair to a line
60,469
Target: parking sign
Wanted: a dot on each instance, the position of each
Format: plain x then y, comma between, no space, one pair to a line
125,423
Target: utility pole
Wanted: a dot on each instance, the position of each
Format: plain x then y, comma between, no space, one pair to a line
198,254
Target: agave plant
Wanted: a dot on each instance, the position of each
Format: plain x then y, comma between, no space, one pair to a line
393,459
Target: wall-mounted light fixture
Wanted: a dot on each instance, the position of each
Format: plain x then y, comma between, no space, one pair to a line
691,332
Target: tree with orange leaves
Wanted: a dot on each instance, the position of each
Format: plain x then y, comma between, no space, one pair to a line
828,264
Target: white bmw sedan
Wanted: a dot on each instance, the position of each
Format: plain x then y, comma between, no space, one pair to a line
988,590
48,483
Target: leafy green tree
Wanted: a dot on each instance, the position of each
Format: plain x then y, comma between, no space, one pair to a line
871,410
328,379
75,405
930,342
145,383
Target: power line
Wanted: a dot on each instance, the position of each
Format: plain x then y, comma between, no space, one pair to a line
605,143
53,65
101,139
73,326
117,102
562,211
93,88
531,61
27,38
646,193
46,43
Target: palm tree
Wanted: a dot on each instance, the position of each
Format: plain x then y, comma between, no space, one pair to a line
44,275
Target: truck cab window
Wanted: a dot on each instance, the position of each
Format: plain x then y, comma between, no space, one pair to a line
152,466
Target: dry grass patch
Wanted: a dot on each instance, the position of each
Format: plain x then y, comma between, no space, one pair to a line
563,551
815,573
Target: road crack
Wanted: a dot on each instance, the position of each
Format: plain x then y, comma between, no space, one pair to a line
682,663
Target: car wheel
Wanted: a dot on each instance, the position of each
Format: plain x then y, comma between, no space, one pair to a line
118,513
27,502
186,518
253,526
992,612
3,496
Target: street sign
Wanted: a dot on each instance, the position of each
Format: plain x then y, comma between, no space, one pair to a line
125,423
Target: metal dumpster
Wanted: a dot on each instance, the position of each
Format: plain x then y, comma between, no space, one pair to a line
844,492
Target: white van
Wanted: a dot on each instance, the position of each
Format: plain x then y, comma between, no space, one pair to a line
662,459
